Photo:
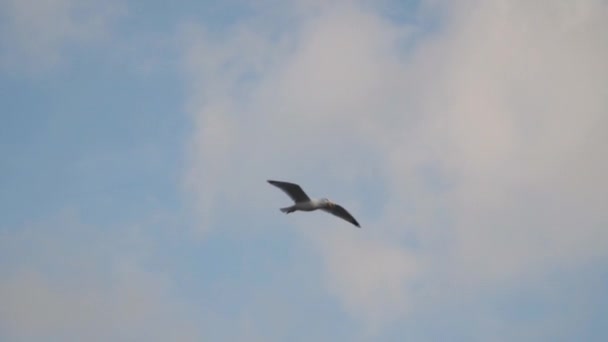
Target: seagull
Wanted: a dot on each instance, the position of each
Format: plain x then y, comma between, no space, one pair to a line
304,203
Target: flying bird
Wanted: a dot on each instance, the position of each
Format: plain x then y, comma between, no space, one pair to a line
304,203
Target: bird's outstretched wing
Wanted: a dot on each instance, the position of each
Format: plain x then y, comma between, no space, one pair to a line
339,211
292,190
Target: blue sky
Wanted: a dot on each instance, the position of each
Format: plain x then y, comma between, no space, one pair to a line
464,136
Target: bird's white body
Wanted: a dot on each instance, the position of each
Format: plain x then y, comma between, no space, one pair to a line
311,205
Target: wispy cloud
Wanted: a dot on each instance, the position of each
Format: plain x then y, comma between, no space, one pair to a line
65,280
35,34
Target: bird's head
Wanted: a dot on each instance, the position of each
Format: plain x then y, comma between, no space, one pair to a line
328,203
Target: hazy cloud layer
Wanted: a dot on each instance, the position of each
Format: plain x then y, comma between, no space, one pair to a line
467,137
486,134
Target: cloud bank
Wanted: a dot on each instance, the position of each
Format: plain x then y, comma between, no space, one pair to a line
484,133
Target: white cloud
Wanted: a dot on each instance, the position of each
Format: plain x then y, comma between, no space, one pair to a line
522,100
35,33
488,134
372,276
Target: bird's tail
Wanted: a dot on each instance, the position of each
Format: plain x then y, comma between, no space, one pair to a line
288,210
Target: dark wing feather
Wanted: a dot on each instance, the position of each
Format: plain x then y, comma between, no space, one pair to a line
339,211
292,190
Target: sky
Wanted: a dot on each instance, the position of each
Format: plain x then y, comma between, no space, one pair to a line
467,137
